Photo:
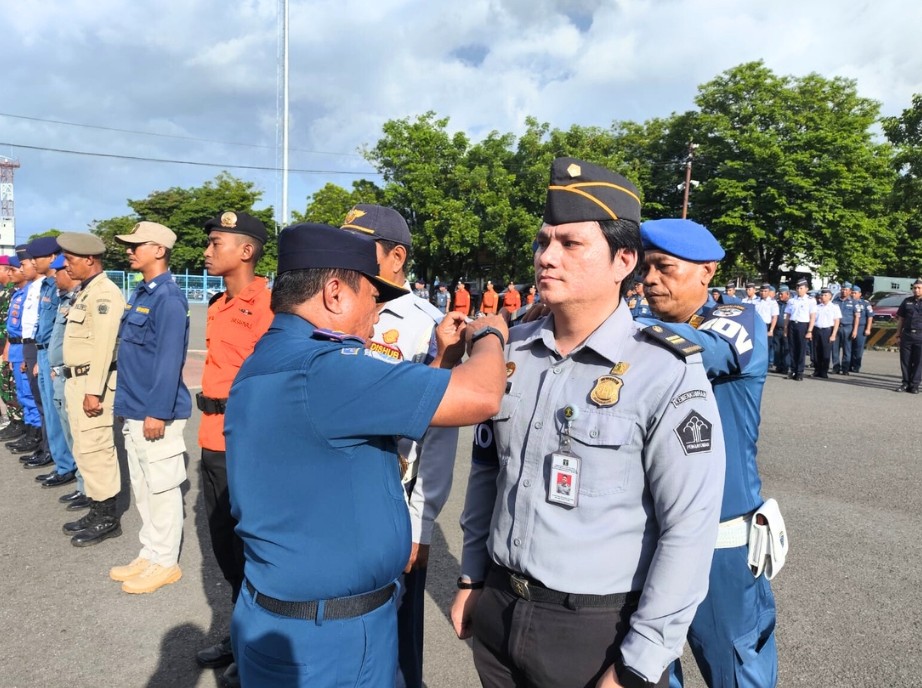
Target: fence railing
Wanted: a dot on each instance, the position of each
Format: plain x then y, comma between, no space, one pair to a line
197,288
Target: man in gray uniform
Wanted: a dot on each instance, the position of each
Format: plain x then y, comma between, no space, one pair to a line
594,495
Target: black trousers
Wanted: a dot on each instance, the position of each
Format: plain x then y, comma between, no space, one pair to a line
226,545
911,358
521,644
822,349
798,340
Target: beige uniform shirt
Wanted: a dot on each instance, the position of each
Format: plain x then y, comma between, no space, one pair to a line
92,329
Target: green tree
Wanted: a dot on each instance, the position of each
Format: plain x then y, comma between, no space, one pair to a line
905,133
330,203
185,211
790,174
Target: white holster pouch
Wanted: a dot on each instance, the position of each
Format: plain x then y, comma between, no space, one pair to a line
768,542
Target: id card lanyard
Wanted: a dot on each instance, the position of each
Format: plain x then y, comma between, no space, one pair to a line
563,486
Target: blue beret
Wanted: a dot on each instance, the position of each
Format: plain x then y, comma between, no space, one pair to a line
58,262
683,239
309,245
43,246
15,262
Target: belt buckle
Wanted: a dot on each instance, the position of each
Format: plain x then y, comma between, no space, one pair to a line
519,586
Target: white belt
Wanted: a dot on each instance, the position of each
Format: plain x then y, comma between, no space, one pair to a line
734,533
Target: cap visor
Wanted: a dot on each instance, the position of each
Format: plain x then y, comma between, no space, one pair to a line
387,291
130,239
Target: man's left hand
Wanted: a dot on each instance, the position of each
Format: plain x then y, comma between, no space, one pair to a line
154,428
609,679
419,557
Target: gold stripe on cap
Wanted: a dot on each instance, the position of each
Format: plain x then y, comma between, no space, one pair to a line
363,230
610,185
586,195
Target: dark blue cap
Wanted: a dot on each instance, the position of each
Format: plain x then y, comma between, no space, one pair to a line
58,262
43,246
22,252
309,245
238,223
378,222
15,262
582,192
683,239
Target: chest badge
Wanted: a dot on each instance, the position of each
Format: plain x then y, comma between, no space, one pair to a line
606,391
510,369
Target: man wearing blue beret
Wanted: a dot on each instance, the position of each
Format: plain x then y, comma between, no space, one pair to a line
737,618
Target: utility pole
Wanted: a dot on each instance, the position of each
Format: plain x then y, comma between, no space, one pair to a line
688,179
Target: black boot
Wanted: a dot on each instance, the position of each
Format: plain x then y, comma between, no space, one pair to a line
81,523
13,431
106,525
28,443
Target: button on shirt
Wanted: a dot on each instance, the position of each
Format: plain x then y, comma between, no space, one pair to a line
153,338
30,308
637,479
826,315
800,308
231,332
847,308
312,464
911,313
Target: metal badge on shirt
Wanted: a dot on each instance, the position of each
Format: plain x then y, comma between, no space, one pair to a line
563,486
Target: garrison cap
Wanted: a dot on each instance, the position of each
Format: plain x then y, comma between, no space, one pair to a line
42,246
378,222
81,244
309,245
238,223
783,289
22,252
582,192
145,231
58,262
802,282
683,239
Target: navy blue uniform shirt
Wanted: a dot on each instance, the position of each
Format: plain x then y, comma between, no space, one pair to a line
311,427
153,338
48,301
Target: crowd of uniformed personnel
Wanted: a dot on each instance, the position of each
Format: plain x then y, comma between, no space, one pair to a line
613,510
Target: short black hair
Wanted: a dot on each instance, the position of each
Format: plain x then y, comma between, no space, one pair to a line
623,234
294,287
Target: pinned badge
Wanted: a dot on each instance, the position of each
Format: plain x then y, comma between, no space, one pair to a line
229,220
606,391
620,368
574,170
510,369
353,215
391,336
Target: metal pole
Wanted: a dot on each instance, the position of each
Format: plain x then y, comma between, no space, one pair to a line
285,115
688,166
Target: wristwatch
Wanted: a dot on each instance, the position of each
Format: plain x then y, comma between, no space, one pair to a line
468,585
489,329
631,679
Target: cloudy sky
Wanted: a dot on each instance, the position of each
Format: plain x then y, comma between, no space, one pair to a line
197,80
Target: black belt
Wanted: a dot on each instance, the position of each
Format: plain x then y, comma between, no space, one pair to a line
41,347
337,608
28,341
529,589
209,404
81,370
15,340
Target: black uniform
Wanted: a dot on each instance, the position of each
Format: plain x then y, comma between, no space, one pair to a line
910,314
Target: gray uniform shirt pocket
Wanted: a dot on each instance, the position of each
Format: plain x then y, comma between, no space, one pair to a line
603,441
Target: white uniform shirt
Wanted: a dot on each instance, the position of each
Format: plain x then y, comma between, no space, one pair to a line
767,309
800,308
30,308
827,314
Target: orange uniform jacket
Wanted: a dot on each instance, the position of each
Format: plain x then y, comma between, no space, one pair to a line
490,302
512,301
231,333
463,301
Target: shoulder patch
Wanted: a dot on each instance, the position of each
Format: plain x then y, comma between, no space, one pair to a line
217,296
728,311
672,341
331,336
385,350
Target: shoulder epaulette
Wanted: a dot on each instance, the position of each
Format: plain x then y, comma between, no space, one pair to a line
331,336
672,341
215,297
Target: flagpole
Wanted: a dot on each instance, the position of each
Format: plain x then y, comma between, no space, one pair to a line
285,114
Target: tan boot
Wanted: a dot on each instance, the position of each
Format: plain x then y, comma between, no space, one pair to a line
123,573
152,579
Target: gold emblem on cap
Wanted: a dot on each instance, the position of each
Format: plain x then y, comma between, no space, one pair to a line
574,170
620,368
229,220
353,215
510,369
606,391
391,336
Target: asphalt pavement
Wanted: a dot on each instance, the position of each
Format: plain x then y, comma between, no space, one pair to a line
841,456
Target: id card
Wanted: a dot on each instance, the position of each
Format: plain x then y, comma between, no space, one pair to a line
563,487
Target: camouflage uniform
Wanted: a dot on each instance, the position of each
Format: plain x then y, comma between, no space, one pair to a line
7,384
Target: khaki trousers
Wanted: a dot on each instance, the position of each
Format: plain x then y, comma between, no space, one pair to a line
157,469
94,443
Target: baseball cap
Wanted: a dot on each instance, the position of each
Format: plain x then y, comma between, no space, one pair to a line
378,222
145,231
